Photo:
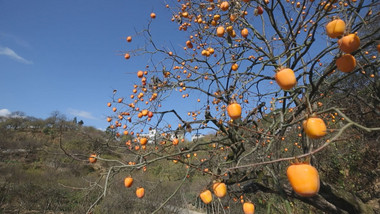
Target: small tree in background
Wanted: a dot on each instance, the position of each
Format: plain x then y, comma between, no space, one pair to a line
274,82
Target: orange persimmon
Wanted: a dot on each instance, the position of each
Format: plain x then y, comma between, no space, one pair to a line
224,5
335,28
234,110
248,208
128,181
234,67
286,78
304,179
346,63
314,127
220,189
143,140
175,141
140,192
220,31
349,43
92,158
140,74
206,196
244,32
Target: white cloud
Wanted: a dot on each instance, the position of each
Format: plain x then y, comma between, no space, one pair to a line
13,55
83,114
5,112
10,38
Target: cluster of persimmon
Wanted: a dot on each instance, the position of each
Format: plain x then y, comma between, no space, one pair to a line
207,19
335,29
347,44
128,181
303,177
140,191
127,55
331,4
220,191
136,96
314,127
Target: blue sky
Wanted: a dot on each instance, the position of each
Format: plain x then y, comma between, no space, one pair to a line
66,55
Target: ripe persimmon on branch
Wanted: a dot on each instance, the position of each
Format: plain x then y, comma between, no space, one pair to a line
247,74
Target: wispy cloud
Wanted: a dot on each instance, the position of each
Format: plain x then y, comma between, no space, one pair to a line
10,38
82,114
13,55
5,112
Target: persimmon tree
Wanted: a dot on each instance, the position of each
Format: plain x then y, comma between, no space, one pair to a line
248,73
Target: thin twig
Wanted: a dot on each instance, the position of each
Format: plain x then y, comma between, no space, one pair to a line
172,195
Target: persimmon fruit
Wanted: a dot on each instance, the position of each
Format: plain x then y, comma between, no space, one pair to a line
220,189
346,63
244,32
220,31
234,110
150,114
349,43
304,179
92,158
248,208
314,127
140,74
260,10
206,196
224,6
234,67
335,28
189,44
140,192
128,181
143,140
144,112
286,78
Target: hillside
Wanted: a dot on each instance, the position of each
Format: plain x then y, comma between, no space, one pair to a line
36,175
44,168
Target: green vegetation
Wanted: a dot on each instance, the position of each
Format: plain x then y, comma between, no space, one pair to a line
46,165
37,175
